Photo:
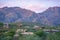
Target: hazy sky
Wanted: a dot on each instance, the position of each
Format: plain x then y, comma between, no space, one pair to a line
34,5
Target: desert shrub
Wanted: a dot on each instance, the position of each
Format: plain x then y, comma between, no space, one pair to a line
58,33
53,36
1,24
29,37
40,33
10,33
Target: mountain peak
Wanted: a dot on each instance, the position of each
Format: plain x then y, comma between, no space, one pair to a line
51,16
54,8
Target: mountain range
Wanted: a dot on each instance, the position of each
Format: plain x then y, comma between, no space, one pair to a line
50,16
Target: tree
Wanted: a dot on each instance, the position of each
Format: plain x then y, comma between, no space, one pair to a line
58,34
40,33
1,24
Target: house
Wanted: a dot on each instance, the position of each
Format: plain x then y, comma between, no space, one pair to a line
27,33
19,25
21,30
6,25
37,27
1,27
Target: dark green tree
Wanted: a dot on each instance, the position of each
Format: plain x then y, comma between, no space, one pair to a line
1,24
41,34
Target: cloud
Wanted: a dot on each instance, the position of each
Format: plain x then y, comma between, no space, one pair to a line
36,8
34,5
1,5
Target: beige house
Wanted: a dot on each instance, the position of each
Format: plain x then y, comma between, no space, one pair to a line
37,27
27,33
6,25
19,25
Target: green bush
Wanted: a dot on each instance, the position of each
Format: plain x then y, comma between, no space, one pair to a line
29,37
58,33
1,24
10,33
40,33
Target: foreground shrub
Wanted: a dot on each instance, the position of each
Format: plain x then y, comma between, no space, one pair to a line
40,33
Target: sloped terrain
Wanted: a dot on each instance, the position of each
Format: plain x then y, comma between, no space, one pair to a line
51,16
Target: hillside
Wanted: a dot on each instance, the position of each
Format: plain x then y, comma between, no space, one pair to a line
51,16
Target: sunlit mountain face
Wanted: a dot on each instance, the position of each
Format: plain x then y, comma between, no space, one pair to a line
34,5
51,16
46,12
